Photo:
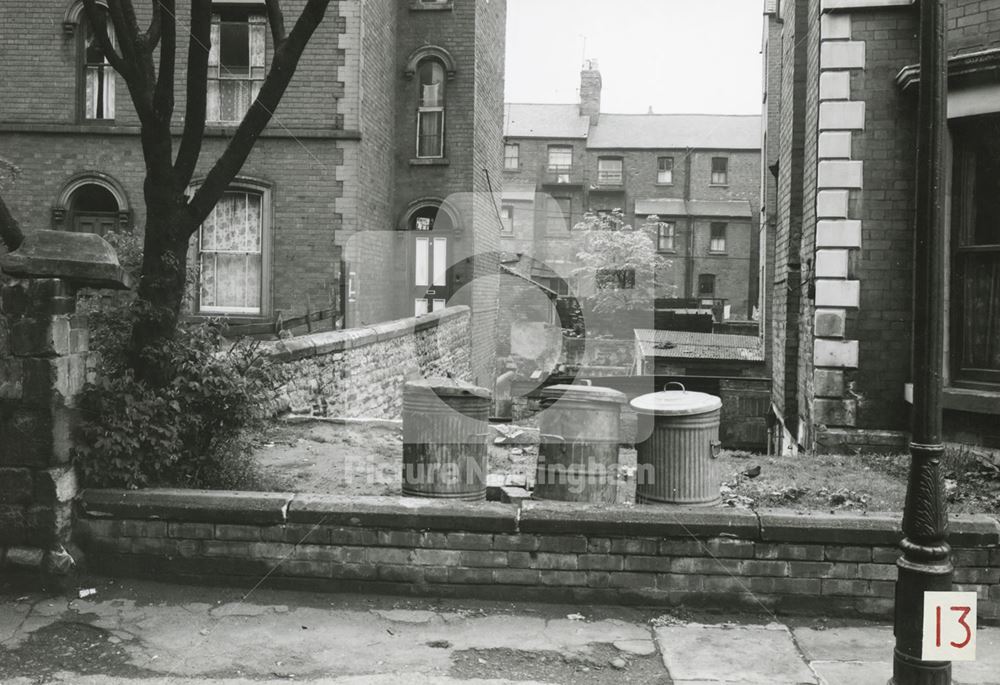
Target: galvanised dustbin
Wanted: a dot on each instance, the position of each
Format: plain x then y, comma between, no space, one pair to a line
677,462
445,423
578,452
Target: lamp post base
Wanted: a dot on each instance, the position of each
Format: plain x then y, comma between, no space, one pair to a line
909,671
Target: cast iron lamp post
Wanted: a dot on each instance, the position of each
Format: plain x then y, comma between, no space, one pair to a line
925,564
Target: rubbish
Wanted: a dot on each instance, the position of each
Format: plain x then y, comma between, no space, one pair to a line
752,472
86,592
618,663
575,617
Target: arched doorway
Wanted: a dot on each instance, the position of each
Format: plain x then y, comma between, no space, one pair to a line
92,209
430,230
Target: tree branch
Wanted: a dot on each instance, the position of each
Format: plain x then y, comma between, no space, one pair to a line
197,92
10,230
153,32
98,21
276,20
283,65
163,95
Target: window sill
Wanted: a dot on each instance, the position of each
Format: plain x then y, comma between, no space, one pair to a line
975,401
674,251
663,185
513,170
718,254
718,185
429,161
418,5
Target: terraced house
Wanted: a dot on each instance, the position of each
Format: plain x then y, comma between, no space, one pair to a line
699,173
843,286
369,192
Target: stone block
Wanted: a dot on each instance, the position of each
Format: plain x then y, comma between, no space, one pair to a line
835,412
832,204
55,485
838,233
830,323
831,263
27,557
835,145
54,381
26,435
837,293
40,337
836,353
828,383
16,486
839,174
835,26
841,115
835,85
83,259
14,299
842,54
13,525
11,378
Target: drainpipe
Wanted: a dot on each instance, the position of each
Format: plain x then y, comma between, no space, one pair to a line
925,564
689,257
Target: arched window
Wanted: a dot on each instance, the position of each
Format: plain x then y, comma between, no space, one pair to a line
93,209
430,108
97,78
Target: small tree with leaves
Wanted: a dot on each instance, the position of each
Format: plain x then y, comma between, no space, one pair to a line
618,264
146,61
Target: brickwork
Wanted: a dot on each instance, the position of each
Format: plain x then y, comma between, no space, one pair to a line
792,563
43,366
361,372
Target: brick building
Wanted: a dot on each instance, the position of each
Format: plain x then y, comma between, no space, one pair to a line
370,189
843,282
699,173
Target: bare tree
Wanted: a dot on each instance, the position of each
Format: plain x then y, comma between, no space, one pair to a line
146,61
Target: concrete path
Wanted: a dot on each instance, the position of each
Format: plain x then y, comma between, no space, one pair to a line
140,633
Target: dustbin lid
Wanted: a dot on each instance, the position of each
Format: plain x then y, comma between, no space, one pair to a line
676,403
448,387
583,393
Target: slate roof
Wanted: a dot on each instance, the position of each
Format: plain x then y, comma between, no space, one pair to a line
671,131
544,121
674,207
687,345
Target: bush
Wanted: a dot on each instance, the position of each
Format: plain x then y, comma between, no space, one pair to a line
195,432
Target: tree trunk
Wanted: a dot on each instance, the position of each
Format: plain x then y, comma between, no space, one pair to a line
161,290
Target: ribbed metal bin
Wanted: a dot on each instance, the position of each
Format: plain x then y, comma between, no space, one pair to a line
578,454
445,424
676,463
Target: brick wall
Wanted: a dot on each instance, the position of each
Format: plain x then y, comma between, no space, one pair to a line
818,564
361,372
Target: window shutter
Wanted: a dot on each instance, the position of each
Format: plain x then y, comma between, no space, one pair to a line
213,107
258,41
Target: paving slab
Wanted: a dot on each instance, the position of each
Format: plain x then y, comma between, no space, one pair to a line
732,654
985,670
853,672
866,643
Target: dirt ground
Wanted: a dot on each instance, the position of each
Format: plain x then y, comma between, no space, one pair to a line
319,456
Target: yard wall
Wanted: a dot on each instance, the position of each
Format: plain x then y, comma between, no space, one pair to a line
821,564
360,372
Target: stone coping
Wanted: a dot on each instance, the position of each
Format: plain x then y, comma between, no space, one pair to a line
329,342
535,517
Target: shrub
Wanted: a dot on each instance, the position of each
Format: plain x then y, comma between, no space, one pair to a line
195,432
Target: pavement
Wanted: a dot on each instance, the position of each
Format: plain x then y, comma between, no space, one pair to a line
145,633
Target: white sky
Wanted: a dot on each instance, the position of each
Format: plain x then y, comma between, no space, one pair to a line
678,56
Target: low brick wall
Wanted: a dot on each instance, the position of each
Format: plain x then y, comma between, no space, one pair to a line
783,561
361,371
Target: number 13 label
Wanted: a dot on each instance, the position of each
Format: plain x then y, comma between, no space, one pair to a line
949,626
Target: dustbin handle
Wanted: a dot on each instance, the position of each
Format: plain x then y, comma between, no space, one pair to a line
587,381
667,385
549,435
716,448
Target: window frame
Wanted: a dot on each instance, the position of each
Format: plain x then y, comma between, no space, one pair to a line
507,147
263,311
719,178
615,178
660,170
506,218
723,227
423,110
703,279
671,235
256,22
110,76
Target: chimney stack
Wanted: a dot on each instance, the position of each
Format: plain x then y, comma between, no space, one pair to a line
590,90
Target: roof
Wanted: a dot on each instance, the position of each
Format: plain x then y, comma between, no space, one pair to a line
665,131
687,345
673,207
544,121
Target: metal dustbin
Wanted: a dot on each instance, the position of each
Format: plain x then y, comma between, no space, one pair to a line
578,453
677,462
445,423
